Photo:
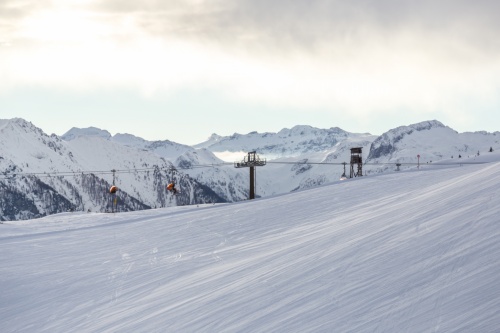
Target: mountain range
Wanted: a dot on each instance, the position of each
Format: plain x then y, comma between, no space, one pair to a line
43,174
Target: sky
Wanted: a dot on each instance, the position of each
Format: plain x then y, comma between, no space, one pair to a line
418,253
184,69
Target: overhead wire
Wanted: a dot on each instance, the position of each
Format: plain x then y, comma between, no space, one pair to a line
48,174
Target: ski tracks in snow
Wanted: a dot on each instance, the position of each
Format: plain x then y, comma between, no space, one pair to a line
119,276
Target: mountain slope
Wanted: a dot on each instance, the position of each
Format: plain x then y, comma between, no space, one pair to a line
402,252
432,141
43,174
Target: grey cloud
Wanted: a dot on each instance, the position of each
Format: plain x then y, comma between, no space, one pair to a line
306,23
294,24
12,12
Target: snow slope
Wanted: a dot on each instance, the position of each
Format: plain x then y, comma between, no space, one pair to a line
413,251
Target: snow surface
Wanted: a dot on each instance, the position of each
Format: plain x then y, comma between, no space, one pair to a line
413,251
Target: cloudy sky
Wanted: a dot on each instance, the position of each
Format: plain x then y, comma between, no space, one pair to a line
184,69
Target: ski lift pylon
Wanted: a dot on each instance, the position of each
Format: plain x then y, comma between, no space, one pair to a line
343,177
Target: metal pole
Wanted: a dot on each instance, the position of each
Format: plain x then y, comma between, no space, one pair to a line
252,183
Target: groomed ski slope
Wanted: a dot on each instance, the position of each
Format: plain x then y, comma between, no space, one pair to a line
405,252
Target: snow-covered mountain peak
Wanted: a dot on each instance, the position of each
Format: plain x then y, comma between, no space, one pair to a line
299,130
19,124
130,140
404,130
197,157
214,137
212,140
13,121
426,125
292,142
23,141
75,132
428,141
165,148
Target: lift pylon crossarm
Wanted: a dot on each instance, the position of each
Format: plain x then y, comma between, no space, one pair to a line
251,164
251,160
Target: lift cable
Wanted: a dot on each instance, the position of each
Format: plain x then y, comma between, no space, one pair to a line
49,174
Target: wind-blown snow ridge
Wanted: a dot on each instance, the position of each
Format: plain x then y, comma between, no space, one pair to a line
402,252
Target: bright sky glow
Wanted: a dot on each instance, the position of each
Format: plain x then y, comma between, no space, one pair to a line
182,70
